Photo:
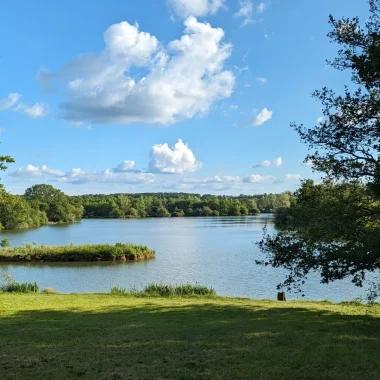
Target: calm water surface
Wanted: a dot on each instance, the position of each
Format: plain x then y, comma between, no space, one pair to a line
217,252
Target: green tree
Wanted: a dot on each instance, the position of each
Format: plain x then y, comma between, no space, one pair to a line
55,203
335,225
4,243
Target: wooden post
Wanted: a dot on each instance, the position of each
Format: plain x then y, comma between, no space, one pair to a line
281,296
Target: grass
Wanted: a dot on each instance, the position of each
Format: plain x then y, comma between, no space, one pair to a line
89,252
22,287
89,336
161,290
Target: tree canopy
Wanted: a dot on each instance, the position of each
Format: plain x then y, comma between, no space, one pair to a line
333,228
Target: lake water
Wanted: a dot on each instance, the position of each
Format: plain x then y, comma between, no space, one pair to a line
217,252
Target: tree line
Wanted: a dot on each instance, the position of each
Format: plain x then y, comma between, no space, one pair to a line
43,204
40,205
179,205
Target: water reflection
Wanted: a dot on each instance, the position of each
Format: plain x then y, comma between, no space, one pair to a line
217,252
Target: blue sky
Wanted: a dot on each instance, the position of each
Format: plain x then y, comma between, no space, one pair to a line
155,95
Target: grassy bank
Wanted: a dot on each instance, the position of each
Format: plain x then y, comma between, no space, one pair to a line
50,336
89,252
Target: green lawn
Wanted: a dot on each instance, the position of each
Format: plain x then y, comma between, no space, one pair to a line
50,336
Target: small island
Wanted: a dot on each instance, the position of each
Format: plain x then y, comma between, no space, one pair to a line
77,253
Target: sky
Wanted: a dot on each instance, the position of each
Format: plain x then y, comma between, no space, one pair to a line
163,95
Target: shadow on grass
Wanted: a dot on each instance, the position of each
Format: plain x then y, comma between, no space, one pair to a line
189,341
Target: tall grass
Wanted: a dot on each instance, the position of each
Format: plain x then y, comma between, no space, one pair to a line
162,290
88,252
22,287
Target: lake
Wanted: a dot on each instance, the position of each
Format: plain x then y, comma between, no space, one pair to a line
217,252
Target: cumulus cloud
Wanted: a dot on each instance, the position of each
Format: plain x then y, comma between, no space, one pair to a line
253,178
262,80
79,176
178,159
37,111
277,161
263,116
125,167
197,8
138,79
31,171
213,179
267,163
9,101
263,164
245,12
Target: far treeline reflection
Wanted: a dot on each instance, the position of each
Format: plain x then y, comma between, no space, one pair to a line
43,204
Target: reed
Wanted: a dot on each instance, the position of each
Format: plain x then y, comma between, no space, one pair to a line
161,290
88,252
22,287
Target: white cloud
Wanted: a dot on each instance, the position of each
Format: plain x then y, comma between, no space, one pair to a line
37,111
125,166
233,107
263,116
263,164
247,85
214,179
197,8
245,12
320,120
260,8
79,176
308,163
9,101
31,171
253,178
262,80
179,159
267,163
277,161
137,79
2,129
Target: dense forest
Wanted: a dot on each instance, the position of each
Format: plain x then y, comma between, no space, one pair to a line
40,205
179,204
43,204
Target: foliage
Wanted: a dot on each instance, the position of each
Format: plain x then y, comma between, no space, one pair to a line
179,205
22,287
98,336
5,243
347,143
16,212
334,228
5,160
161,290
59,207
5,278
89,252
